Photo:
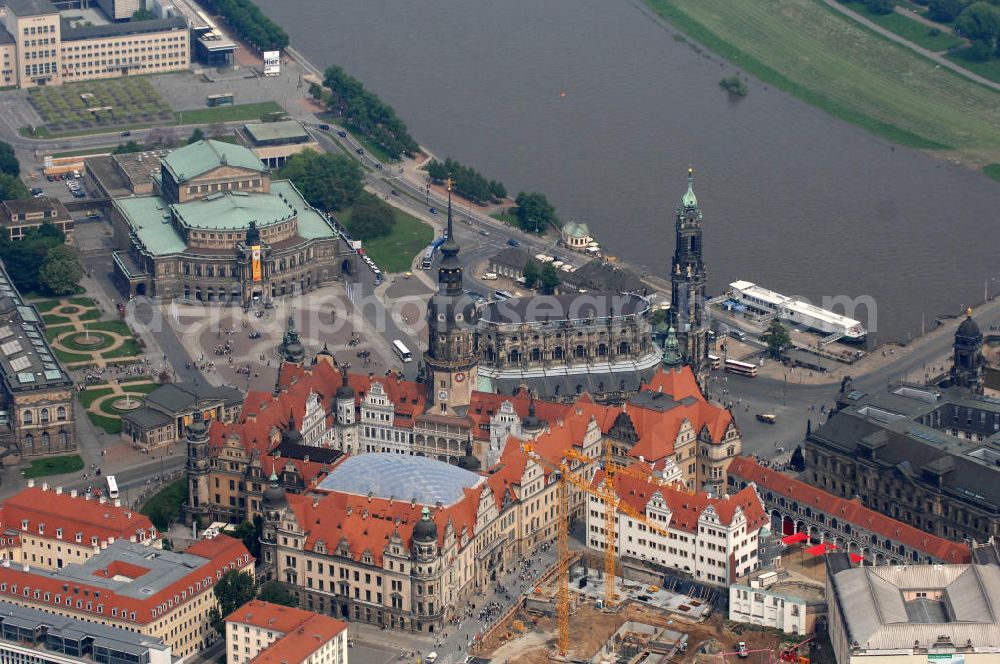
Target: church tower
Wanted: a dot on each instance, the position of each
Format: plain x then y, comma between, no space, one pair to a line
967,367
451,357
687,280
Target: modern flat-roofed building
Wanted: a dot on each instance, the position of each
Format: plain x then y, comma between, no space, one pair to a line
910,613
265,633
36,393
20,216
31,636
37,49
129,174
275,142
51,528
162,594
779,599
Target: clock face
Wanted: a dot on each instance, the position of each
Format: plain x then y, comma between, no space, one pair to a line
443,395
459,377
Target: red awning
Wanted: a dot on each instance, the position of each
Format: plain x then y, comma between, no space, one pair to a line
797,537
820,549
856,558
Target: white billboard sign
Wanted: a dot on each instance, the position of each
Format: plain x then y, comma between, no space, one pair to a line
272,63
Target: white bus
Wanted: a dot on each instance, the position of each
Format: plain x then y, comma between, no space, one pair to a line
400,348
428,260
501,295
714,361
112,487
741,368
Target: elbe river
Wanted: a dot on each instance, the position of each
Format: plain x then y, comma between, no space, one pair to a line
603,108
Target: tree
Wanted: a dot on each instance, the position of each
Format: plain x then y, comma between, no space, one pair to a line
531,273
534,212
776,337
250,533
143,15
798,460
980,22
61,271
24,258
371,218
11,187
276,593
945,11
366,113
328,181
881,6
8,160
232,591
125,148
196,135
548,280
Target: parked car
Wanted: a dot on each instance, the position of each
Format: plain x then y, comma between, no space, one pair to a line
513,243
434,210
342,133
360,150
483,231
767,418
126,133
324,127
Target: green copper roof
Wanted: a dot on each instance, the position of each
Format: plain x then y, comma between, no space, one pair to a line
689,200
233,211
312,224
193,160
575,229
671,349
150,220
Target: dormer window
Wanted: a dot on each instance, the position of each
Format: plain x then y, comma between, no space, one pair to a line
79,537
24,524
59,533
41,529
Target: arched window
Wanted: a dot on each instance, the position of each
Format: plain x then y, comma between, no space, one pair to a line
623,348
29,442
45,440
602,350
63,438
557,353
43,415
536,354
61,413
579,352
27,417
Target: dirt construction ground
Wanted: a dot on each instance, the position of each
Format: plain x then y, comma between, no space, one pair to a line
590,629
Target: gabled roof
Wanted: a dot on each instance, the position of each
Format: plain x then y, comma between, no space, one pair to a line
851,511
90,518
201,157
687,507
301,632
369,523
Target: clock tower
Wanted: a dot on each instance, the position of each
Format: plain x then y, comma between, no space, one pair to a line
688,316
451,357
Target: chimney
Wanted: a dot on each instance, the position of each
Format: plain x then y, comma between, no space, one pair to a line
349,510
73,493
86,496
559,422
45,486
102,500
118,502
132,539
642,459
58,490
31,483
370,494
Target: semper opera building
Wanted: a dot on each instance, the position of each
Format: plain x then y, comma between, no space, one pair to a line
217,228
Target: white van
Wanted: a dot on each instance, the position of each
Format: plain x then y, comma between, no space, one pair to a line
431,658
490,276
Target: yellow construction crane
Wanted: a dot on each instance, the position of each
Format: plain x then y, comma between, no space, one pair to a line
612,505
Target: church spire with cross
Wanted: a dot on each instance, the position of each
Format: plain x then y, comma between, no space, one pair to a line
688,315
452,356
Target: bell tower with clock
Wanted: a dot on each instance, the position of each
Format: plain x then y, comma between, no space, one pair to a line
451,357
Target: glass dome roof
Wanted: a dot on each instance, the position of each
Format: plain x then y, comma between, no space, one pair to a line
427,481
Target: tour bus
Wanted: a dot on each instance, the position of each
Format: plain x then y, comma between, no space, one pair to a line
112,487
427,263
501,295
741,368
402,350
714,361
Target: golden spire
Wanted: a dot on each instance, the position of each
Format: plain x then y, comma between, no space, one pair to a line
968,312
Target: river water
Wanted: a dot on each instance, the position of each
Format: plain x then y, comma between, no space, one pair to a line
603,108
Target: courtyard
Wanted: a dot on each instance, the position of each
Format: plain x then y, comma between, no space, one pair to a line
80,338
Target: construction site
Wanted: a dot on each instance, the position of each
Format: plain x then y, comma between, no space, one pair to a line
646,624
592,607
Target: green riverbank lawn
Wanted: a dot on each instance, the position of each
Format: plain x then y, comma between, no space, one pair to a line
832,61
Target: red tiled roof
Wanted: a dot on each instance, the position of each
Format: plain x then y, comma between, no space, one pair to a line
367,524
851,511
484,405
74,515
303,632
223,553
688,507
